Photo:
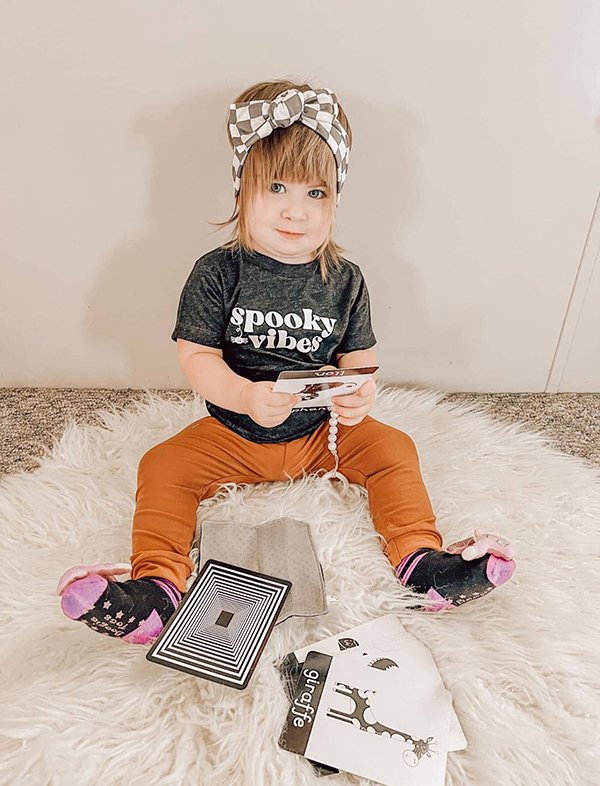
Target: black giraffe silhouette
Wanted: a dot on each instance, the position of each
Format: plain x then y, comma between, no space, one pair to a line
361,705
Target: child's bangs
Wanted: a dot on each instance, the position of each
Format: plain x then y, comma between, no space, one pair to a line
294,155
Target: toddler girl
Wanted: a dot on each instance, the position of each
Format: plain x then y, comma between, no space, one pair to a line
278,296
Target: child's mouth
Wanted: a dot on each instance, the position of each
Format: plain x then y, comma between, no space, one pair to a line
290,235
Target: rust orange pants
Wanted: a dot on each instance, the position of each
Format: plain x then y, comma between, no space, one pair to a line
175,475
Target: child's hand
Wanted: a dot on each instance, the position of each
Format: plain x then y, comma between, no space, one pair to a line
353,407
266,408
107,569
482,543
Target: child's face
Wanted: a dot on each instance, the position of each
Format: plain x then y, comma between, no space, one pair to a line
295,207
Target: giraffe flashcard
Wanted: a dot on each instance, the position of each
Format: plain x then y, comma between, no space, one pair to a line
383,643
318,387
359,719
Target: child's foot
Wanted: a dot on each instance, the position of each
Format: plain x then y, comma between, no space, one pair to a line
135,611
450,578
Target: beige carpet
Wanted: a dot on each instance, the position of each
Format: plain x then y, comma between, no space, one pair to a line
29,417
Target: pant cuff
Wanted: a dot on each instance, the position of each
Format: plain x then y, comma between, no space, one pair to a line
398,548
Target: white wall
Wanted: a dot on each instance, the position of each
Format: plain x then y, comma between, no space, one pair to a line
470,226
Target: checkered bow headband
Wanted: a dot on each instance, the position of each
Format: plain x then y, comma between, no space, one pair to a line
250,121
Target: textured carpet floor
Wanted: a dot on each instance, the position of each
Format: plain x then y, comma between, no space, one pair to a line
522,664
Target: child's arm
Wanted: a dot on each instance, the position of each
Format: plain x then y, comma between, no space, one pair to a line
210,376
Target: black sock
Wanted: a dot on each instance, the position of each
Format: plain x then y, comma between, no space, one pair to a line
449,578
135,611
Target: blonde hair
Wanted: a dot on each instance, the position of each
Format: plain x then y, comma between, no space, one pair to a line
296,154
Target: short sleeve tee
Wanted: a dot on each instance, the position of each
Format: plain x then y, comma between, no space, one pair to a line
267,317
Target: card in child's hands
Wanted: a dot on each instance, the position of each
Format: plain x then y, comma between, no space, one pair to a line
221,626
317,388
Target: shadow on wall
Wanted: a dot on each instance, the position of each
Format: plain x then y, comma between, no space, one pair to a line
133,305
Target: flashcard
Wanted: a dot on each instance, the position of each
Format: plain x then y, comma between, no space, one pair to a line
360,720
318,387
384,644
221,627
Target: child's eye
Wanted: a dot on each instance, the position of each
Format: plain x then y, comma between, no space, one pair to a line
318,190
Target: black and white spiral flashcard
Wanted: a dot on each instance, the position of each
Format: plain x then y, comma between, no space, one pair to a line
222,625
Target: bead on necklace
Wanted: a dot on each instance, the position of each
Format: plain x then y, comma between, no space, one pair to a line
332,440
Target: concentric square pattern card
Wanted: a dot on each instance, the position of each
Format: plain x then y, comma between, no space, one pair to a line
221,627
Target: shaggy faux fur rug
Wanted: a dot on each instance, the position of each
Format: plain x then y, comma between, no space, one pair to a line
523,663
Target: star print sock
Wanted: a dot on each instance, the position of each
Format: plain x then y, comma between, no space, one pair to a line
450,579
135,611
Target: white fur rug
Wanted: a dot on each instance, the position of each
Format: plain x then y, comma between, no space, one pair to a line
523,663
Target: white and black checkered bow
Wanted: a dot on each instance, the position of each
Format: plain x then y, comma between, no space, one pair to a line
250,121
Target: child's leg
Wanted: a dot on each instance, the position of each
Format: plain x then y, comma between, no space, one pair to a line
173,477
385,461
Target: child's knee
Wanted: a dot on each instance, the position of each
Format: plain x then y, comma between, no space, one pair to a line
397,446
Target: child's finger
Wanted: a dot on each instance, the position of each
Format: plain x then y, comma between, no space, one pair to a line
106,569
354,407
487,543
280,399
353,399
498,546
351,417
460,545
69,576
367,389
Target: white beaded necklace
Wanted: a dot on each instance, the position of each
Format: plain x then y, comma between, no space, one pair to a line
332,443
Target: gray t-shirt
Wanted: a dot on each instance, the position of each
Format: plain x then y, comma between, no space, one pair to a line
268,316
